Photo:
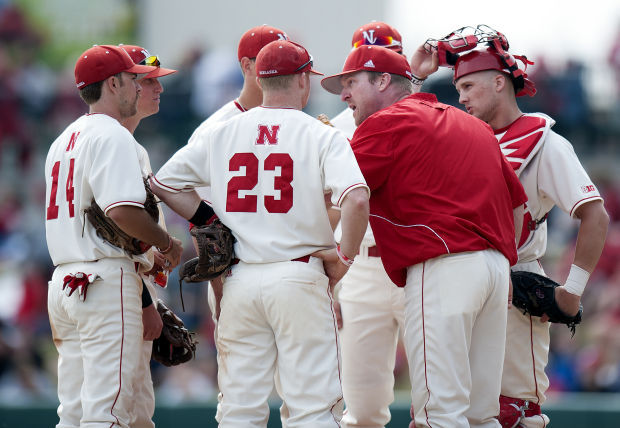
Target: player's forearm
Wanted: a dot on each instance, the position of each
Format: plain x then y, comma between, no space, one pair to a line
183,203
136,222
591,235
354,220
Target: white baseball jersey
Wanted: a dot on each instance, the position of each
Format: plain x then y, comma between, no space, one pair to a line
268,170
346,123
550,172
94,157
227,111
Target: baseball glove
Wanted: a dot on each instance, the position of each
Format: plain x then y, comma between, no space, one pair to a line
108,230
175,345
215,253
534,294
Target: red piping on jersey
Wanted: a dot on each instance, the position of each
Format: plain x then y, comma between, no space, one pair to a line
114,204
424,346
239,106
120,367
348,189
582,201
163,186
414,225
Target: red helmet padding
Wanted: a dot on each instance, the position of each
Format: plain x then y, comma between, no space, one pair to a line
476,60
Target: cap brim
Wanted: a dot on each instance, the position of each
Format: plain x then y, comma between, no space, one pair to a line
141,69
159,72
332,83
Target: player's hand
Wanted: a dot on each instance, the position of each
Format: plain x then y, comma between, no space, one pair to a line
338,313
158,264
567,302
151,323
173,257
424,63
334,268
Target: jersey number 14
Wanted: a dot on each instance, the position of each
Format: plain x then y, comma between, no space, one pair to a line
52,208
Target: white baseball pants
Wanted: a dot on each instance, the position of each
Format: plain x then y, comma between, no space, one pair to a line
455,330
527,353
99,342
278,315
372,313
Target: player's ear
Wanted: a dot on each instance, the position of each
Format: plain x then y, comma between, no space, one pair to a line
247,66
384,81
499,82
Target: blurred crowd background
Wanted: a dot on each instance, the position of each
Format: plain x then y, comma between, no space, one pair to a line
38,99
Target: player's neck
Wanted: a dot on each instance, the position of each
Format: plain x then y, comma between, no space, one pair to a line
282,99
104,108
131,123
505,115
251,96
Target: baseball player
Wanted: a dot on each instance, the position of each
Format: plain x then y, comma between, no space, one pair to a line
442,207
268,170
251,42
148,104
94,297
371,305
551,175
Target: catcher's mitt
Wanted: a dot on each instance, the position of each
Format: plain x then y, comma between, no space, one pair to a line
175,345
215,253
535,295
108,230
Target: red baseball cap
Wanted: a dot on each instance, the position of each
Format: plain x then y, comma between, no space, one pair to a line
141,56
256,38
489,59
283,57
369,58
102,61
378,34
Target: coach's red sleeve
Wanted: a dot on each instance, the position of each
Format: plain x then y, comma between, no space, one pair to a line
372,145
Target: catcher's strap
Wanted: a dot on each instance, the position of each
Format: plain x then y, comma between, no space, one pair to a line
176,344
107,230
534,294
512,410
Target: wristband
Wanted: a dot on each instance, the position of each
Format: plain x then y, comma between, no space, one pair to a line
203,215
168,248
417,80
344,259
576,281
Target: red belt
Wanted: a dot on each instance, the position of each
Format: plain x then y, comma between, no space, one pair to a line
373,251
303,259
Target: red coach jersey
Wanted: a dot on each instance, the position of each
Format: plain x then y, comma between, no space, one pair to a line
439,184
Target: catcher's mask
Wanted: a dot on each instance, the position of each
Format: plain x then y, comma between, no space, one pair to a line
458,50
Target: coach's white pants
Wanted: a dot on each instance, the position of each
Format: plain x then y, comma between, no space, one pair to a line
278,315
527,353
455,330
99,343
372,315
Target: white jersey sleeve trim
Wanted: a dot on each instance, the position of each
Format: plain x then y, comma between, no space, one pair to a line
348,189
166,187
584,201
120,203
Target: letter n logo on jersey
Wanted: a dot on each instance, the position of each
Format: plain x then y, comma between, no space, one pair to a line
72,141
267,134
